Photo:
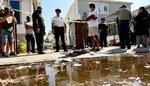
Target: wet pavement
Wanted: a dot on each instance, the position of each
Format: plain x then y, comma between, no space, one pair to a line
98,71
52,55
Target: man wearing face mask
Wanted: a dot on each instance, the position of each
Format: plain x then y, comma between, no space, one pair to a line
29,35
39,29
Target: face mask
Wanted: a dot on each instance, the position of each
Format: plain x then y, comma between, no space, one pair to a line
6,12
28,19
39,12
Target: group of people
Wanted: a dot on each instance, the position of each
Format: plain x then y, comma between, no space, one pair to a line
8,22
141,23
35,30
141,29
96,31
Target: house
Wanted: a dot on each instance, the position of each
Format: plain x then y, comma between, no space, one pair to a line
26,6
80,9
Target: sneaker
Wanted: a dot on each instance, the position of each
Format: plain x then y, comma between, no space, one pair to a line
34,52
129,47
65,50
105,46
97,49
92,49
5,55
57,51
28,52
145,46
12,54
122,47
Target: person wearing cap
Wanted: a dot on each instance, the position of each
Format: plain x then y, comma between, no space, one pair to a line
39,29
59,29
93,27
142,24
103,30
7,33
124,16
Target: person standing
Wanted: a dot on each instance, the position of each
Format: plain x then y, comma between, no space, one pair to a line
142,24
2,20
30,38
93,27
124,16
39,29
7,33
103,29
149,30
59,29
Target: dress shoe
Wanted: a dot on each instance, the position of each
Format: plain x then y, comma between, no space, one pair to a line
41,52
57,51
34,52
122,47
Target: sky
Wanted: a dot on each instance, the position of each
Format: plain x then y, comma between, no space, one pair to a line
49,7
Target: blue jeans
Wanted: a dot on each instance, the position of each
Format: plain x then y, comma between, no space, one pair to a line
7,35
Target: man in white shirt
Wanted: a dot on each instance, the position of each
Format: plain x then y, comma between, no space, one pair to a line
30,38
93,27
59,29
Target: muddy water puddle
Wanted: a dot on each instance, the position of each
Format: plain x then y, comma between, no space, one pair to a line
102,71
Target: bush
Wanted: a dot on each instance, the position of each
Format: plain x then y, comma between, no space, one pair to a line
22,46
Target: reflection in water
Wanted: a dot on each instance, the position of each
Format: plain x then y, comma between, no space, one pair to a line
51,73
102,71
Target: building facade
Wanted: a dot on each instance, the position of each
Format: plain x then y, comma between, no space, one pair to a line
80,9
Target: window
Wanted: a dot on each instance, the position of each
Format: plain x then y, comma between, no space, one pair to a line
16,5
102,8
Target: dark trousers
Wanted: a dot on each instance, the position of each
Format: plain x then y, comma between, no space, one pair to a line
118,33
39,41
30,42
124,33
59,31
103,39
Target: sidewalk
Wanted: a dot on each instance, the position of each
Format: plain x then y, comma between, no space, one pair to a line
30,58
51,55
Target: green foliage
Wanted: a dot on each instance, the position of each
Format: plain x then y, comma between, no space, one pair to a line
22,45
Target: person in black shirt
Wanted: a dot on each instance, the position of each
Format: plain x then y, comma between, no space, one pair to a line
39,29
142,24
103,29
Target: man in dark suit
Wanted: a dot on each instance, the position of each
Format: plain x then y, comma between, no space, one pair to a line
39,29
